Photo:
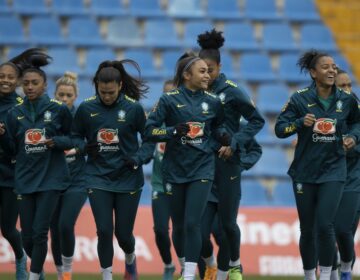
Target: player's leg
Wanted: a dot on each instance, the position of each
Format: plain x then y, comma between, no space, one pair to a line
102,206
55,239
71,206
161,216
126,206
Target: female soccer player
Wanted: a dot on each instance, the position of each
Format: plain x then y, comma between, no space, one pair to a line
160,205
36,133
110,122
227,173
347,215
9,210
192,118
319,115
74,197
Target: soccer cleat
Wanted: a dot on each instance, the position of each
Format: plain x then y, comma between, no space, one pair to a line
345,276
168,273
66,275
21,270
131,271
210,273
235,273
181,278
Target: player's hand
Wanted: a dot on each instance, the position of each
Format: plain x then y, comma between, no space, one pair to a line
2,129
225,152
131,163
348,143
181,129
50,143
309,120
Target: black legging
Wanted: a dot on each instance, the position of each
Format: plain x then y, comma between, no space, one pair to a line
63,224
106,204
161,215
317,203
9,211
188,203
36,211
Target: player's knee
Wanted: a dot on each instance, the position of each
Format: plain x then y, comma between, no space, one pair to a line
161,233
9,233
104,233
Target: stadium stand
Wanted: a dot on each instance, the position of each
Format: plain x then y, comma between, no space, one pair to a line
223,10
45,31
30,7
107,8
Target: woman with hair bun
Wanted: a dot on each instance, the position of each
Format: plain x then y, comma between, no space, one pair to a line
73,198
326,121
193,120
36,133
228,169
110,123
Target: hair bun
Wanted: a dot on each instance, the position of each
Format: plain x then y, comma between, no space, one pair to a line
211,39
71,75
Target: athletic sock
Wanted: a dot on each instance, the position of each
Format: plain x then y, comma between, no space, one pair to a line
182,263
210,261
67,263
221,275
34,276
325,272
106,273
345,266
234,263
334,275
189,271
129,258
310,274
59,270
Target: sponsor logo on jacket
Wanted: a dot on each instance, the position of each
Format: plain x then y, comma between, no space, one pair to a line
195,133
106,137
34,140
324,129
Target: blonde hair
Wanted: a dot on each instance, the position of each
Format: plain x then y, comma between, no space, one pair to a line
69,79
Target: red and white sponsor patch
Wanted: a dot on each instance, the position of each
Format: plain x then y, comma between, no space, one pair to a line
108,136
196,129
35,136
160,147
325,126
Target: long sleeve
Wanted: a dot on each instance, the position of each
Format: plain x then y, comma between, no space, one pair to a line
289,121
253,117
7,141
154,129
354,121
78,131
64,142
250,154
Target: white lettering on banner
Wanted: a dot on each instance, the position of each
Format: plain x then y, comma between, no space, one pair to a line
85,250
280,265
263,233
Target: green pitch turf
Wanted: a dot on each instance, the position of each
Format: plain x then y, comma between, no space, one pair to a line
153,277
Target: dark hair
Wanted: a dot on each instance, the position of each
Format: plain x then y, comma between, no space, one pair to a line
183,65
341,71
31,60
210,43
110,71
13,66
309,59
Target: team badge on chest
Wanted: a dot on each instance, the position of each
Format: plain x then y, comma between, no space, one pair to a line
47,116
121,116
222,97
339,106
205,107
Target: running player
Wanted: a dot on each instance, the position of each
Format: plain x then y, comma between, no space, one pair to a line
71,200
161,206
227,173
319,115
9,210
110,122
192,117
36,132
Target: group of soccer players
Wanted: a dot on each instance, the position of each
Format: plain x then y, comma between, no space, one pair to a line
53,157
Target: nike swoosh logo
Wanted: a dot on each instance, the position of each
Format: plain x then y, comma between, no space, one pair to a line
180,105
93,114
311,105
20,117
204,181
233,177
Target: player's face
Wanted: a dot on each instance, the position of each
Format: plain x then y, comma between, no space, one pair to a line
197,77
8,79
109,92
214,69
325,71
343,81
33,85
66,94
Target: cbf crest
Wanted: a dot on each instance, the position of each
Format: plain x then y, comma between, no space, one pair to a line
222,97
205,107
339,106
168,188
121,116
47,116
299,188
